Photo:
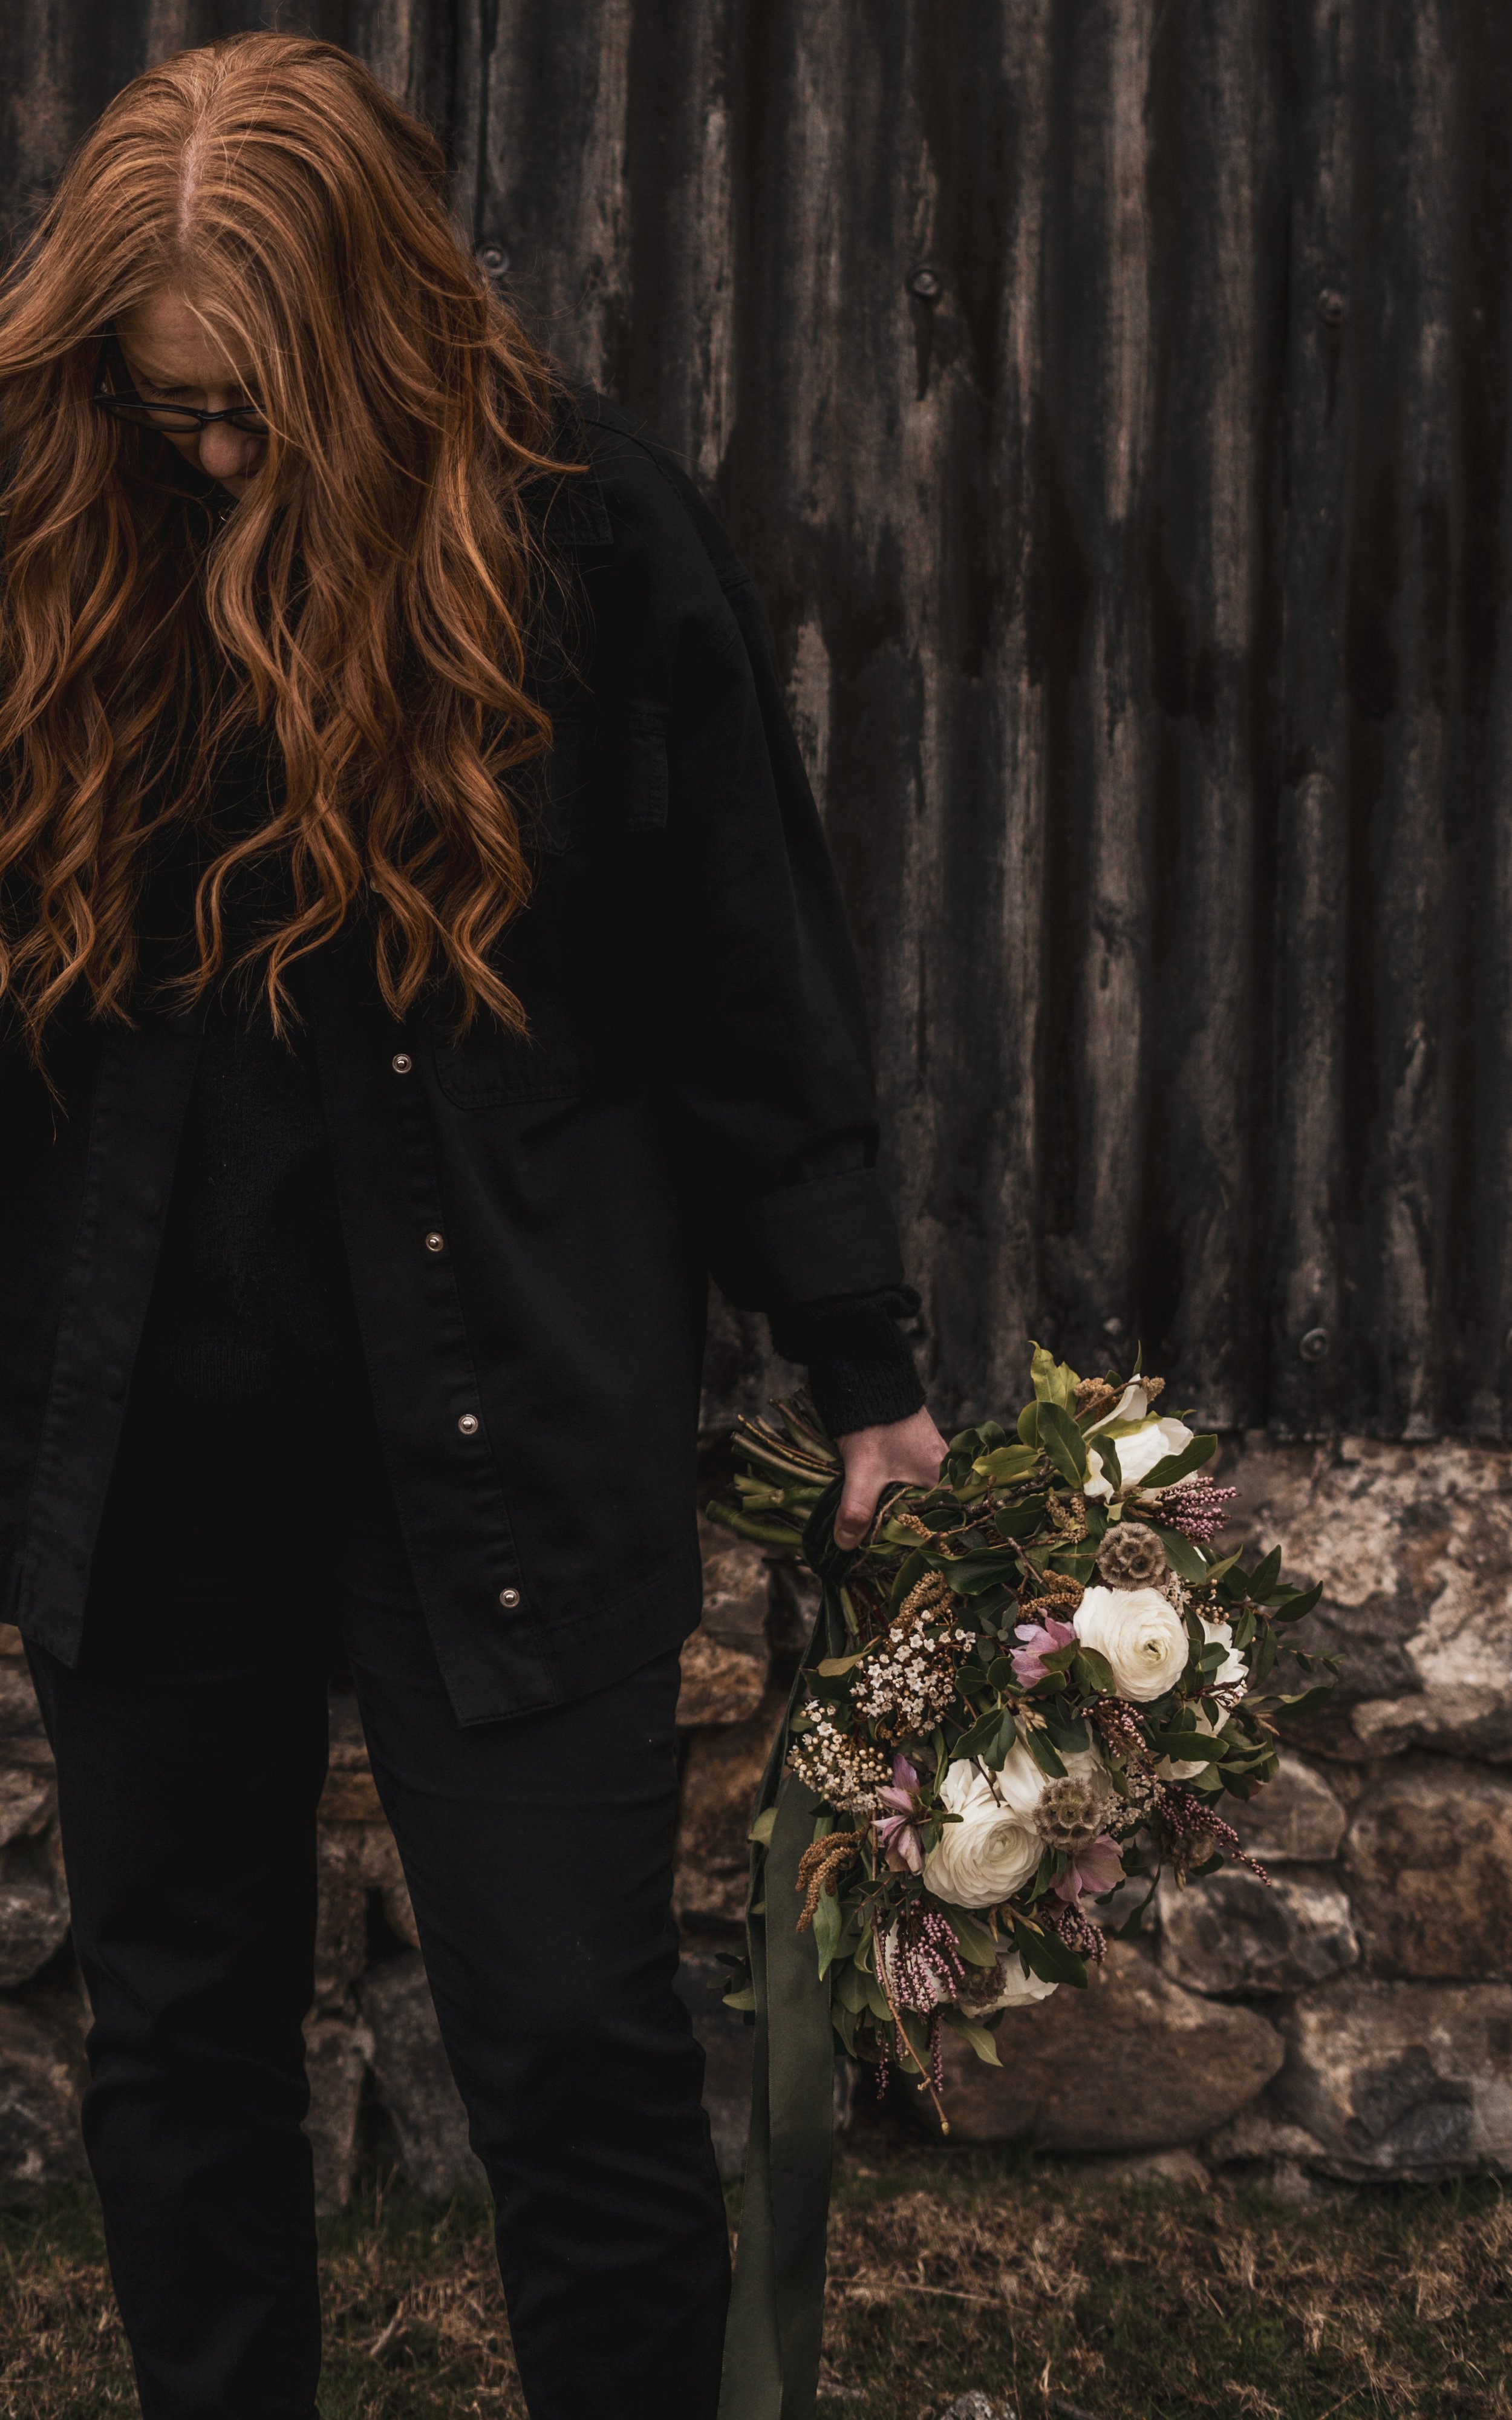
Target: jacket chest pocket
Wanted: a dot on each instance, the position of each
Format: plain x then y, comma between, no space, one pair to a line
488,1067
606,774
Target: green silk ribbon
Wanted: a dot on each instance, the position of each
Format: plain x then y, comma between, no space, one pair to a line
772,2343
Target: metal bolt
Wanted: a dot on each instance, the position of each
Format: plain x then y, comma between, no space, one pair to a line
1331,306
1313,1345
435,1241
469,1424
401,1062
494,258
925,284
509,1597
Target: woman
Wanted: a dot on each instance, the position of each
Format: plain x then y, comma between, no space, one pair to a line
420,967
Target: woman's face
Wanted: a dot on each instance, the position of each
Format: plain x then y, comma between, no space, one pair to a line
170,358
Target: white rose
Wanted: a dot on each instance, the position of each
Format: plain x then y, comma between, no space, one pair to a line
995,1848
1233,1670
1140,1635
1138,1454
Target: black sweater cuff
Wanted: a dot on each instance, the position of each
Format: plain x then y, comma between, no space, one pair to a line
861,1364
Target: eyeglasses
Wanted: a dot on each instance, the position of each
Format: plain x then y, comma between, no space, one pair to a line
175,419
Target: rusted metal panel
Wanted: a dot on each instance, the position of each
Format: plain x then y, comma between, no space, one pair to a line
1111,397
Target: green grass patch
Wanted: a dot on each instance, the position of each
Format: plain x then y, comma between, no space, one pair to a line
1040,2283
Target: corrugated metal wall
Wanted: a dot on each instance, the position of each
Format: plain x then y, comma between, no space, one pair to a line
1111,399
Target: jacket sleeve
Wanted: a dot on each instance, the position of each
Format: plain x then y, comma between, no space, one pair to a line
766,1055
772,1061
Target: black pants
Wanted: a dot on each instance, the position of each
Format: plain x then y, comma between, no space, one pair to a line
190,1748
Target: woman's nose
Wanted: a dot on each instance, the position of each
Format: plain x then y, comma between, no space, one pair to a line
228,453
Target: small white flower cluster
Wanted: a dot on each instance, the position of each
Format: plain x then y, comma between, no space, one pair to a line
845,1772
908,1680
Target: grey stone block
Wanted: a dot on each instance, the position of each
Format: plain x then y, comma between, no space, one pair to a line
413,2080
1231,1935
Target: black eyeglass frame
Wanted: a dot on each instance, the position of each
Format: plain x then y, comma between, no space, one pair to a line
121,401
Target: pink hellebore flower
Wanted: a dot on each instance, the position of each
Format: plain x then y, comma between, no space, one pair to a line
1040,1641
1093,1871
898,1833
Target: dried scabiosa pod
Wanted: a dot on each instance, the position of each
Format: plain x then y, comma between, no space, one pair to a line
1073,1812
1131,1557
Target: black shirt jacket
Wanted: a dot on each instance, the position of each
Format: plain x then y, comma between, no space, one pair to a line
528,1224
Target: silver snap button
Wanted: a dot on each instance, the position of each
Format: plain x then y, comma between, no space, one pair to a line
435,1241
401,1062
509,1596
469,1424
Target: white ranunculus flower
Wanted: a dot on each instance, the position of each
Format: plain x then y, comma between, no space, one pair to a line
995,1848
1233,1671
1138,1633
1139,1452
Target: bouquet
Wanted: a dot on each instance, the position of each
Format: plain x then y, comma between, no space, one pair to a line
1047,1686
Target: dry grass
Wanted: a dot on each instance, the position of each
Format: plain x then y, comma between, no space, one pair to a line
1038,2284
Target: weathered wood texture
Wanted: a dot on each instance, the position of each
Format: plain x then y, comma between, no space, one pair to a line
1111,397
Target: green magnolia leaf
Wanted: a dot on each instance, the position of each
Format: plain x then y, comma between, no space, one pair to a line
995,1755
833,1666
1301,1702
850,1988
1184,1558
826,1928
1029,1425
981,1733
763,1828
1190,1748
1055,1381
1066,1734
1108,1454
1291,1608
1094,1672
1130,1925
1048,1958
1063,1442
876,1999
977,2036
1021,1520
910,1572
978,1947
970,1574
1044,1755
1008,1463
1173,1467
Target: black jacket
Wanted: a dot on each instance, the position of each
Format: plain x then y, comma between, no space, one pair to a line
694,1096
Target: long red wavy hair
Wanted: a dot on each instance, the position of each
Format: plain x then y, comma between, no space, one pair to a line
367,604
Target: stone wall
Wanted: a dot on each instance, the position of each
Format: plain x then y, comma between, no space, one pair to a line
1353,2019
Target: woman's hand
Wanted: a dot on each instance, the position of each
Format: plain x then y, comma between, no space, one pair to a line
912,1449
